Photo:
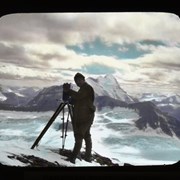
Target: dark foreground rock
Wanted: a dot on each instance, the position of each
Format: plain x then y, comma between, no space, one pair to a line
104,161
33,161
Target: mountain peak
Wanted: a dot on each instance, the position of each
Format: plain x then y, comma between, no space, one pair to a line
108,86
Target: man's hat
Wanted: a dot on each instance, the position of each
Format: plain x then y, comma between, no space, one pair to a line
79,75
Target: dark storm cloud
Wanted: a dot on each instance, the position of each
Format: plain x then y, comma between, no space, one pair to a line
19,27
78,27
18,55
13,54
31,27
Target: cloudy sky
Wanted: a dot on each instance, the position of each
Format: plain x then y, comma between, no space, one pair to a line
140,49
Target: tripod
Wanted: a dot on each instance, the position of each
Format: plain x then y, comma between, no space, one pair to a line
64,131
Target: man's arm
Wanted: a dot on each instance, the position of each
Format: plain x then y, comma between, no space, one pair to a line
80,94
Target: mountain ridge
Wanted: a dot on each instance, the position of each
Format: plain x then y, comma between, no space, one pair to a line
107,94
153,117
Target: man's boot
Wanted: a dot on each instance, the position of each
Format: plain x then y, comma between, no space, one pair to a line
88,159
76,151
71,159
88,156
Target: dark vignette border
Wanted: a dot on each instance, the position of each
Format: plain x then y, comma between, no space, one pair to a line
132,172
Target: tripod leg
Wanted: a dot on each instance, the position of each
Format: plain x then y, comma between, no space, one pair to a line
70,112
61,106
70,109
63,142
63,132
62,124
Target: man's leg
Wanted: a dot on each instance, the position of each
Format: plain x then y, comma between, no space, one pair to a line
82,131
88,143
79,132
77,147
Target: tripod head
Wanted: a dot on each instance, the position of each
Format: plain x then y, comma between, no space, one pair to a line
65,96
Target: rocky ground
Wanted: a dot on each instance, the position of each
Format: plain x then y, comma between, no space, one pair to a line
104,161
49,170
33,161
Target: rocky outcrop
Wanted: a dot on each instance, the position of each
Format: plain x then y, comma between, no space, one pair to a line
106,101
33,161
102,160
151,116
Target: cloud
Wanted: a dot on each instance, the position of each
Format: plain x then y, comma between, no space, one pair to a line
11,53
159,67
36,46
162,57
76,28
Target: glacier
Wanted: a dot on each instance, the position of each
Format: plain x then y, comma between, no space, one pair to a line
114,135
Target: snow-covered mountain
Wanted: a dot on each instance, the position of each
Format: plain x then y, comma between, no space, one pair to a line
171,105
109,86
154,97
160,98
108,93
2,97
152,117
16,96
166,103
47,99
174,99
106,89
106,101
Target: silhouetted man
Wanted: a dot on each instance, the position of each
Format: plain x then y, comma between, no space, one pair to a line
83,116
